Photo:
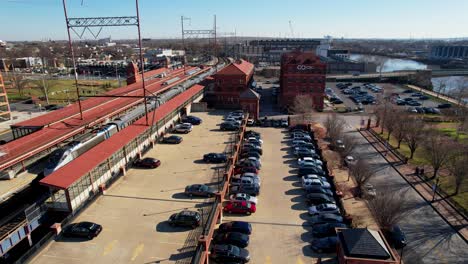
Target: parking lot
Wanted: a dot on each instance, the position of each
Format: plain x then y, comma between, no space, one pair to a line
280,233
389,89
134,210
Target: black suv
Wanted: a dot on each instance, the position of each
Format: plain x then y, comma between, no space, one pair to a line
215,157
192,120
228,126
232,238
228,253
319,198
250,189
185,218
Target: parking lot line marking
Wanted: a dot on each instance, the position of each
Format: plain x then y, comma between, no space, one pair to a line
299,260
60,257
268,260
137,251
109,247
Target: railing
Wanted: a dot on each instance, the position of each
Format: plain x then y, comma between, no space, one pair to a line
36,248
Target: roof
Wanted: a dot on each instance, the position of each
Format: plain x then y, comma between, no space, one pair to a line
71,172
238,67
298,57
363,243
68,123
249,93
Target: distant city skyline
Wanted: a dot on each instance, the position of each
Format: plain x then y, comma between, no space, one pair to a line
398,19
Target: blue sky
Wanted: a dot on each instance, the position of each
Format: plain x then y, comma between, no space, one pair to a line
44,19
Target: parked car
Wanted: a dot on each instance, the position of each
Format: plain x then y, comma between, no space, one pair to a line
313,177
309,164
254,140
249,163
305,160
442,106
398,237
229,253
326,208
147,163
229,126
236,226
250,122
243,197
319,189
284,123
326,218
326,244
310,170
183,128
315,182
215,157
299,151
172,139
199,190
243,179
244,155
244,169
251,133
326,229
319,198
303,144
239,207
185,218
83,229
252,149
192,120
232,238
250,189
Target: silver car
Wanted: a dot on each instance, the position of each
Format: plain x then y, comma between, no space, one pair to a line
326,208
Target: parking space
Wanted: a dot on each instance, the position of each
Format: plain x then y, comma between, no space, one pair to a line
281,233
134,211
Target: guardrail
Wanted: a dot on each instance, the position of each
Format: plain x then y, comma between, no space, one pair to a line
202,251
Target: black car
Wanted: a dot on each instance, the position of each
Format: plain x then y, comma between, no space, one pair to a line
82,229
326,218
250,189
234,238
397,236
318,189
185,218
215,157
236,226
199,190
326,229
424,97
408,91
326,244
319,198
172,139
227,253
310,170
229,126
251,133
248,154
249,163
147,163
442,106
192,120
251,148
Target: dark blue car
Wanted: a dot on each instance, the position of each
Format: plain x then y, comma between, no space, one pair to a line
236,226
192,120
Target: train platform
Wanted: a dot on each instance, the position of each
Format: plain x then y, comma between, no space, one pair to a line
13,153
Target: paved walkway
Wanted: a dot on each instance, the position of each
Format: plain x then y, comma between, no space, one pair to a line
424,189
441,96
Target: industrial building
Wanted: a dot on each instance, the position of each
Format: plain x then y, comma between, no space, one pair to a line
445,52
302,73
232,88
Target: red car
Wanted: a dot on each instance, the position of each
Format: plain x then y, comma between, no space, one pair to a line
240,207
147,163
242,170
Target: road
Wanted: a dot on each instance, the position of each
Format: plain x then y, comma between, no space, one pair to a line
431,239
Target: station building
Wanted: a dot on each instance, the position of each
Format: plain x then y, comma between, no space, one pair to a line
302,73
232,88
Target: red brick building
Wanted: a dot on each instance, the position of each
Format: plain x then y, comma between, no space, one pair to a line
232,88
302,73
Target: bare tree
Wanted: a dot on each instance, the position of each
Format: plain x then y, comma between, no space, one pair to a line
401,120
362,173
458,166
437,150
390,120
350,144
334,126
414,134
382,112
389,208
303,105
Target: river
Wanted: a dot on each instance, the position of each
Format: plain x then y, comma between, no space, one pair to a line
451,82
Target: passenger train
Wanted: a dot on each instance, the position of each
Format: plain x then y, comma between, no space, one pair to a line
71,151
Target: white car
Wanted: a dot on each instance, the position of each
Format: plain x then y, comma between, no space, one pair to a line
298,142
304,160
284,123
326,208
254,140
183,128
296,149
301,136
313,177
315,182
230,119
243,197
250,122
